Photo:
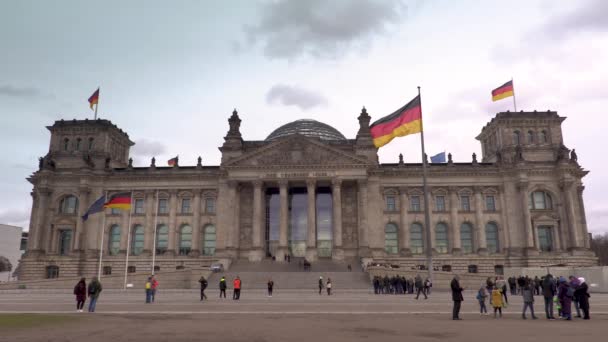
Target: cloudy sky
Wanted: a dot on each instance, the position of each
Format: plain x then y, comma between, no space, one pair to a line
172,71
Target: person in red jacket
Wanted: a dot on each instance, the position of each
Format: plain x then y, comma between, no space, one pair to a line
154,286
236,294
80,291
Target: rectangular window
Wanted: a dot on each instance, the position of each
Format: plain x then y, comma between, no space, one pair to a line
163,206
465,203
545,238
115,211
390,203
415,203
440,203
210,205
65,241
139,206
490,203
185,206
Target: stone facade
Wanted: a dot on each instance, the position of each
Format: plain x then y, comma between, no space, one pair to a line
520,206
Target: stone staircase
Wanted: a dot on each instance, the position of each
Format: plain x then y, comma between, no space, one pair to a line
255,275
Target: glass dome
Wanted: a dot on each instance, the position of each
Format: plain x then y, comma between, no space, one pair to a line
307,127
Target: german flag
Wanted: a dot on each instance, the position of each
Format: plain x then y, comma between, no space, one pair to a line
94,98
404,121
503,91
172,161
120,200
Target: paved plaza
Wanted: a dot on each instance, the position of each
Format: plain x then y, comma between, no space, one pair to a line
294,315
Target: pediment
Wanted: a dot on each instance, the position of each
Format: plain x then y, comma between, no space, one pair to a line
297,151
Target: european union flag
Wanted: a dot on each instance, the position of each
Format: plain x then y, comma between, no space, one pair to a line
438,158
95,207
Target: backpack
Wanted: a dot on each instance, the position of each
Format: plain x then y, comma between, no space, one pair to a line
478,295
570,291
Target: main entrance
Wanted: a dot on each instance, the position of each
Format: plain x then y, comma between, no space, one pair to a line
297,229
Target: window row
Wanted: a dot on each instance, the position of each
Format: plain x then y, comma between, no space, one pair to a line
184,243
532,137
440,203
391,238
78,144
69,206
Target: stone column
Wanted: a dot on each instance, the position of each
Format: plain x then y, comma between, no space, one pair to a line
257,254
505,244
124,231
482,247
338,253
311,233
172,223
583,216
453,202
363,223
283,220
404,236
522,187
195,251
80,230
568,190
150,212
39,231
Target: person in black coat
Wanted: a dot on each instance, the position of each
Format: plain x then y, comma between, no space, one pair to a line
582,295
456,297
204,285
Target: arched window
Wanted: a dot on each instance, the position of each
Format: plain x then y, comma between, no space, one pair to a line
390,239
209,240
90,147
530,137
185,240
114,240
78,143
65,241
543,137
492,237
441,238
540,200
69,205
516,138
66,144
416,240
466,238
162,239
137,240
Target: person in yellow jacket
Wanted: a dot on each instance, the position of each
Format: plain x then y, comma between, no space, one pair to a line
497,301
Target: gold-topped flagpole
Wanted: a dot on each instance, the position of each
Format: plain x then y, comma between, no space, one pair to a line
427,202
97,104
514,102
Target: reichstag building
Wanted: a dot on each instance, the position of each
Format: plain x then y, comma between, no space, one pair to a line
309,192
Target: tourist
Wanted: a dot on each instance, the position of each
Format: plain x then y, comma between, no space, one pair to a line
80,291
512,285
148,287
565,293
521,281
321,285
502,286
270,287
328,285
536,285
582,293
548,287
419,287
456,297
482,294
427,286
574,283
527,294
204,284
496,301
94,290
236,291
154,285
376,284
223,287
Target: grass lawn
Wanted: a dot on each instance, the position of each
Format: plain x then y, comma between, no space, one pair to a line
21,321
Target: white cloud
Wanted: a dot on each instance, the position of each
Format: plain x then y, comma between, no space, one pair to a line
148,148
288,95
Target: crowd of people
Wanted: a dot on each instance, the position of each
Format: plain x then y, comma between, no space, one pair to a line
401,285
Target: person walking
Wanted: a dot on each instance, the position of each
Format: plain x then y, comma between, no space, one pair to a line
328,285
456,297
502,286
419,287
321,285
204,284
482,295
236,291
94,290
154,287
223,287
148,287
527,294
565,292
582,293
80,291
496,301
270,287
549,291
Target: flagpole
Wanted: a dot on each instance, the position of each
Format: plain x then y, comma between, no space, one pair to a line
97,104
427,202
128,243
514,102
154,238
103,233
